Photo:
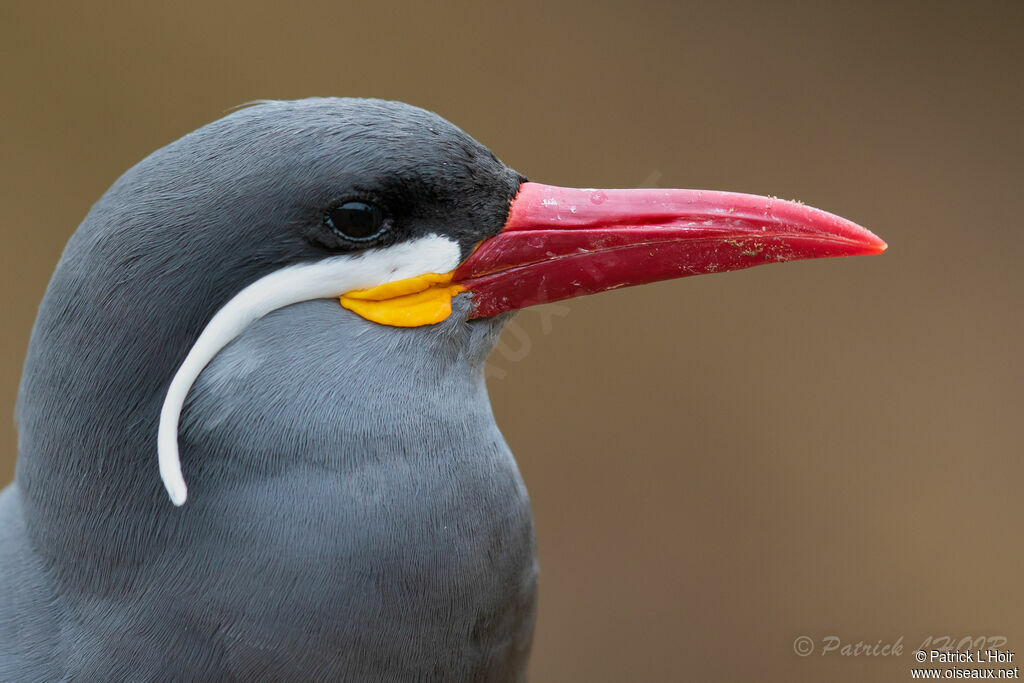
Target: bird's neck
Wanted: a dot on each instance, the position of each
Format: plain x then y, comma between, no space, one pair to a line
310,386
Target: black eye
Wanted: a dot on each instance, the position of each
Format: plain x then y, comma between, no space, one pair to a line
357,221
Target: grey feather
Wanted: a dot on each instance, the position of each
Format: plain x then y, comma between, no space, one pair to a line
354,514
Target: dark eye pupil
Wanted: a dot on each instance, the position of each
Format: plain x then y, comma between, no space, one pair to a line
356,220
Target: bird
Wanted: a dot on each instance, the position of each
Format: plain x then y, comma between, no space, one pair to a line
254,435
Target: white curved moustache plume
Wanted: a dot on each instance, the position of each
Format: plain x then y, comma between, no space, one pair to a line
324,279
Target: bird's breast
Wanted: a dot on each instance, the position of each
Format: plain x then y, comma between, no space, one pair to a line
353,506
419,565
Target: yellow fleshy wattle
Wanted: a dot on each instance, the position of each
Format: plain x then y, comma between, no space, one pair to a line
415,301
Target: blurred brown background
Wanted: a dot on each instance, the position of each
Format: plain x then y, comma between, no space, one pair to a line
718,465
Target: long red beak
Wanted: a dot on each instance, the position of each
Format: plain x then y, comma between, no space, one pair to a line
561,242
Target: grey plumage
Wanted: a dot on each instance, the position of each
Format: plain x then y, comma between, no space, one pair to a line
355,513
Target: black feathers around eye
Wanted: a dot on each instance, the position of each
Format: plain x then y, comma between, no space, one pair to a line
356,221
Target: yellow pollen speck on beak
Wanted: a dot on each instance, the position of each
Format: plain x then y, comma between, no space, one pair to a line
415,301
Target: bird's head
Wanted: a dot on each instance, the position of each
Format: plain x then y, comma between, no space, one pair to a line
386,208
